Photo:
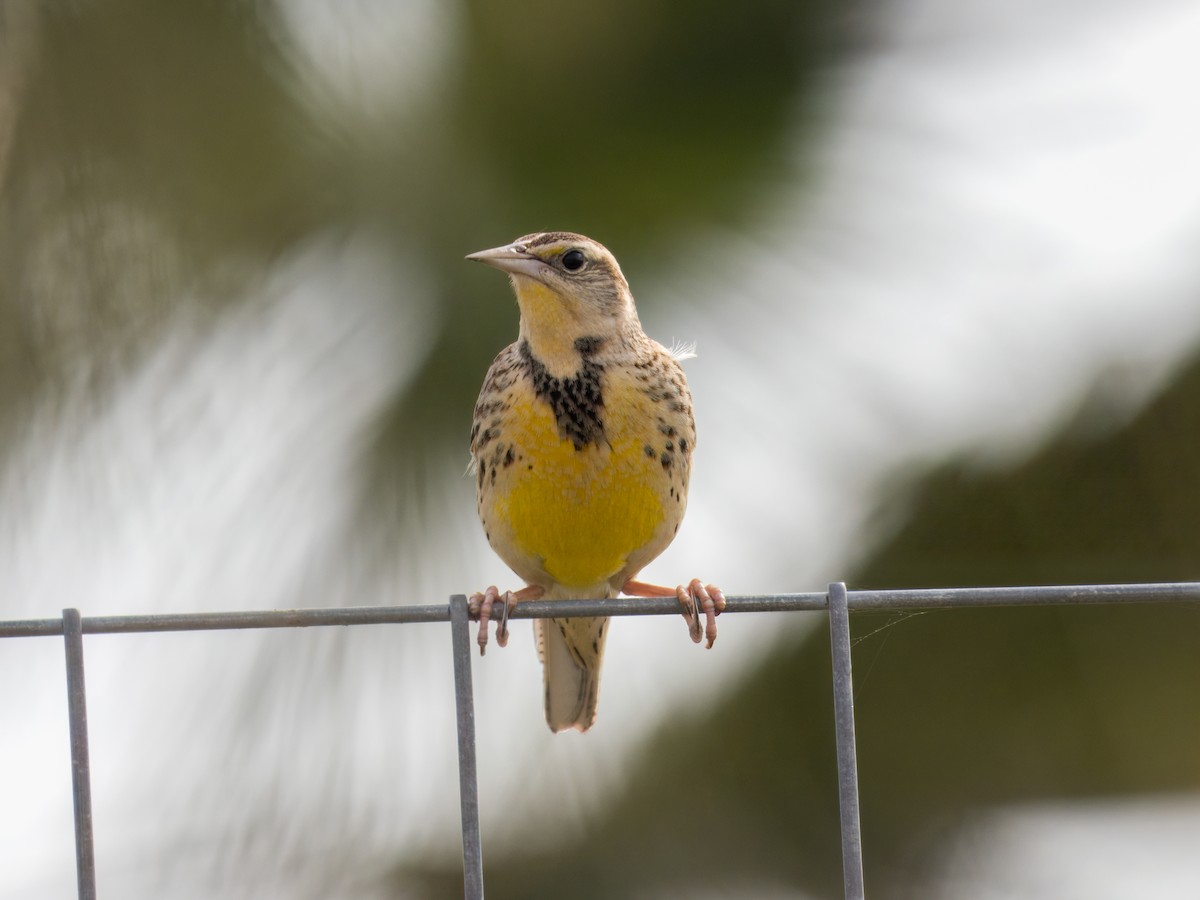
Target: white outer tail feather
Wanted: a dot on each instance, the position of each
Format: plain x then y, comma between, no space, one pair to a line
571,651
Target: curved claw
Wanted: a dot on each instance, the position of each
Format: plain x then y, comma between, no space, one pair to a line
688,602
713,601
502,626
698,596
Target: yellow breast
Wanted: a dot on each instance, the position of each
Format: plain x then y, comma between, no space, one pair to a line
579,515
580,512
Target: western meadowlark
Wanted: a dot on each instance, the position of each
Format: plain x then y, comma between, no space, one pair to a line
582,446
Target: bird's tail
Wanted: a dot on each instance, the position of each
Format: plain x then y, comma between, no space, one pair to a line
571,651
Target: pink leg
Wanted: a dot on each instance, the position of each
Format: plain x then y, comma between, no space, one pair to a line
479,605
641,589
709,598
712,601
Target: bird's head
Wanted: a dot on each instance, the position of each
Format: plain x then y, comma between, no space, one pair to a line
568,287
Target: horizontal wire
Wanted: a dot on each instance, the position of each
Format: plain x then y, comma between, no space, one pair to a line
936,598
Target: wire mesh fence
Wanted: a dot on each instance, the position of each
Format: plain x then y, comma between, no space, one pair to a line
838,601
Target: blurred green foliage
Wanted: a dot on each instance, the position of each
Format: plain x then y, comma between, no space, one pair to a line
628,120
631,118
165,154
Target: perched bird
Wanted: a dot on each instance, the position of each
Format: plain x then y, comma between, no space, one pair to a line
582,446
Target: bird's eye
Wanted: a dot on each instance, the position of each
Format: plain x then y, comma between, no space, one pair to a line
573,260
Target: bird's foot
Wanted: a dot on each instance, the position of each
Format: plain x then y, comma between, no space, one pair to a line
694,598
480,606
698,596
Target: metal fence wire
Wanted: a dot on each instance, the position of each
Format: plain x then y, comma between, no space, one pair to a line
838,601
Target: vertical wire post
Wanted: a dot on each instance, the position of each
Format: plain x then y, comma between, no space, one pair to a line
468,783
847,754
81,776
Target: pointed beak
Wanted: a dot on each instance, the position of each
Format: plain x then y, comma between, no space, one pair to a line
511,258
